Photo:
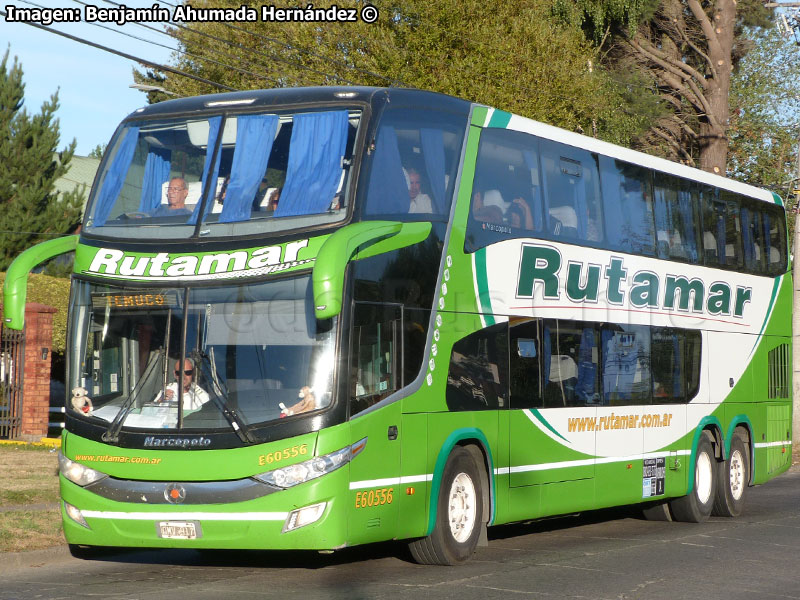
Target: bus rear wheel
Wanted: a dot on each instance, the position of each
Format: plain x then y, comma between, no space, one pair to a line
696,506
733,478
458,515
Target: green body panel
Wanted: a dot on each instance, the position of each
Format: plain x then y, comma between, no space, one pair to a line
376,468
356,241
15,287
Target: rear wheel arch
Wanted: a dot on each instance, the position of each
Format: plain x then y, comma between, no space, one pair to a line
741,426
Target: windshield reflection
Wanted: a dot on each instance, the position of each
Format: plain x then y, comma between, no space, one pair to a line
252,354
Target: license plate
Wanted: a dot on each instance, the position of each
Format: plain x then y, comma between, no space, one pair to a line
179,530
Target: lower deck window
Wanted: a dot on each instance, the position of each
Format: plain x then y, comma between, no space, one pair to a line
560,363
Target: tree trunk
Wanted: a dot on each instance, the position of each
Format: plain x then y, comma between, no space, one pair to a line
719,30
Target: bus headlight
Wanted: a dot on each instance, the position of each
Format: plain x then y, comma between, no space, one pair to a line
287,477
78,473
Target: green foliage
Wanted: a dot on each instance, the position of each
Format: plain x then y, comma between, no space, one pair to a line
765,115
30,212
97,151
52,291
516,56
599,18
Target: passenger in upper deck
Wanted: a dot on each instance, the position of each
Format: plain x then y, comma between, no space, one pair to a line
419,202
177,190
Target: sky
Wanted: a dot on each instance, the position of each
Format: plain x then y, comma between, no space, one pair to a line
93,84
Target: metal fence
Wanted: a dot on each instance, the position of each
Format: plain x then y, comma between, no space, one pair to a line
12,362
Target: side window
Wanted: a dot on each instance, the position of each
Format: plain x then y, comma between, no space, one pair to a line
628,199
753,241
570,355
733,230
478,375
412,170
626,364
526,347
571,193
374,355
675,361
506,192
775,234
676,221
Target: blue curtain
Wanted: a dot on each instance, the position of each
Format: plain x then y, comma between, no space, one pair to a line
609,386
587,369
614,192
254,137
387,192
662,211
747,239
315,163
721,253
433,151
688,236
214,124
532,163
156,172
115,176
580,204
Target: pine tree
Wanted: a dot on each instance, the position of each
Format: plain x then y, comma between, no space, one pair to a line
30,210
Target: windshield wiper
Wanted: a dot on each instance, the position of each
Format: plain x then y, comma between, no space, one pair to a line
219,395
112,433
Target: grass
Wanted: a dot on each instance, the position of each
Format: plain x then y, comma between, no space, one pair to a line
29,476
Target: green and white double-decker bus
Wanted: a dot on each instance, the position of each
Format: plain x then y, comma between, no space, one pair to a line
316,318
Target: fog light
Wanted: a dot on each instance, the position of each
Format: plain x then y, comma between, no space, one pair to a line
74,513
304,516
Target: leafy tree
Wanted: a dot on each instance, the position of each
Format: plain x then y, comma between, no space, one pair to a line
688,50
516,56
765,114
97,151
30,212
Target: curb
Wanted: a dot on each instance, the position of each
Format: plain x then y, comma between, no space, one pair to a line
15,561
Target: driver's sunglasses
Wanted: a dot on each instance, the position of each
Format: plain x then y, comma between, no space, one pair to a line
186,372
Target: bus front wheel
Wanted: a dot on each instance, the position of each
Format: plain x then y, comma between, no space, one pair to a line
458,515
696,506
732,480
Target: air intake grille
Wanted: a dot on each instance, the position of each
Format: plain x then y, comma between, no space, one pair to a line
779,375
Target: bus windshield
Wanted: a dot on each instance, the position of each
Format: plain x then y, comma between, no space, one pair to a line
252,354
262,173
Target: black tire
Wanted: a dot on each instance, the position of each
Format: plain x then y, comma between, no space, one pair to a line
657,512
457,505
696,506
733,478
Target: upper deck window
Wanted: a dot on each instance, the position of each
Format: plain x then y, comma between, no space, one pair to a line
235,175
414,158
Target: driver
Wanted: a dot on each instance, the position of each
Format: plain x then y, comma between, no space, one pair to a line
193,395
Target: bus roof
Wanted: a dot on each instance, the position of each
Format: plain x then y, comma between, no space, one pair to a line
434,100
290,96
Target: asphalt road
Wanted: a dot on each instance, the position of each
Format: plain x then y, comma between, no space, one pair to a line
601,555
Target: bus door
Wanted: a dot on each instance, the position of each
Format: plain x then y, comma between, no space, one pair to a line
375,373
554,397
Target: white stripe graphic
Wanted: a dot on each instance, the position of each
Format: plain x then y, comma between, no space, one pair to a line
185,516
370,483
602,460
773,444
